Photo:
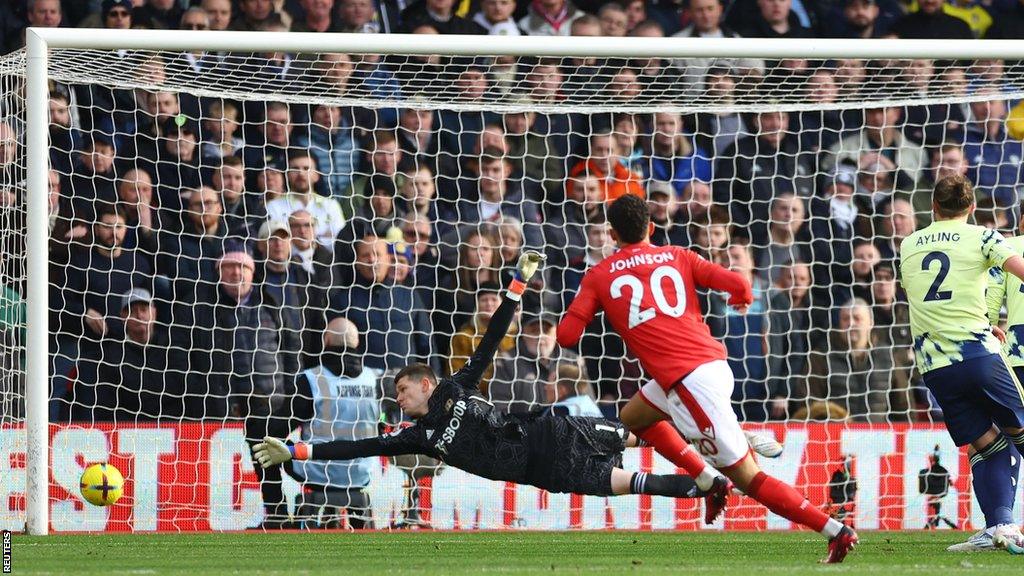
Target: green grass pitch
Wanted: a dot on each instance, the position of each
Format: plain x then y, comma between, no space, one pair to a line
732,554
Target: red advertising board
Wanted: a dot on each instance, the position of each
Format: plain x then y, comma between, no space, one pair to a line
199,477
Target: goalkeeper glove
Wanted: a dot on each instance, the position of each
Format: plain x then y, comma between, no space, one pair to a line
272,452
527,266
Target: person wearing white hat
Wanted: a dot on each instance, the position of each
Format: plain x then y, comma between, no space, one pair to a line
275,244
287,287
665,214
130,379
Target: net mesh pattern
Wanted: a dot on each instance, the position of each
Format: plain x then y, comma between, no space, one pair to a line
549,84
213,215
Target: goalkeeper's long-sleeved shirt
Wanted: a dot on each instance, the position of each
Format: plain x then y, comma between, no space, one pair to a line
461,427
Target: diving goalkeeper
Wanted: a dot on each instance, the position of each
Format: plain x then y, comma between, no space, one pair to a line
458,426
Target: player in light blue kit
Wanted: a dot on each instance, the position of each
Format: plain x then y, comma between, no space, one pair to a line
944,269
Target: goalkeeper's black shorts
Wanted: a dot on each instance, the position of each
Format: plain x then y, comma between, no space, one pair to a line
574,453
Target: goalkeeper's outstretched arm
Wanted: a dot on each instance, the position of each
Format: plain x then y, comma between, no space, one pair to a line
272,451
469,375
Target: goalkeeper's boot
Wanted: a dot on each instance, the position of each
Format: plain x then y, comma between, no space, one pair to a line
1008,537
716,498
840,545
764,445
981,541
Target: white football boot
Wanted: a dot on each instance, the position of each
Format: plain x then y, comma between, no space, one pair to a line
764,445
1008,537
981,541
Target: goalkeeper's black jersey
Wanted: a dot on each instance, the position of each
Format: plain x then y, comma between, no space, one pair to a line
460,428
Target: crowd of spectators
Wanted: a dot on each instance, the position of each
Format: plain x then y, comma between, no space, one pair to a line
200,246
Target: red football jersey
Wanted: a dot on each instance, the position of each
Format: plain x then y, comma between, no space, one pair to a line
649,295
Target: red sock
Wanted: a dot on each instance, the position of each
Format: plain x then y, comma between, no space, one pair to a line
784,500
667,442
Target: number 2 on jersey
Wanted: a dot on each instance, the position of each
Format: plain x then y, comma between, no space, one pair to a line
636,287
934,294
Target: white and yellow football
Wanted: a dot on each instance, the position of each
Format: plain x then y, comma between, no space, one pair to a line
101,484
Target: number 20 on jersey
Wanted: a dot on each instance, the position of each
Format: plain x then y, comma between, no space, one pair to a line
638,316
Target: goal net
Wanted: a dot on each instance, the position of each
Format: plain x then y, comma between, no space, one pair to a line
251,244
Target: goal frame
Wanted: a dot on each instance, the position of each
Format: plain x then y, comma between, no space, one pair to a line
41,40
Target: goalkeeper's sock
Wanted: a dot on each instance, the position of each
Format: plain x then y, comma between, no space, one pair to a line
671,485
784,500
994,481
667,442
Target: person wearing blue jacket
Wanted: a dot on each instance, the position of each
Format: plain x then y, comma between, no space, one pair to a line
995,158
674,157
332,144
392,317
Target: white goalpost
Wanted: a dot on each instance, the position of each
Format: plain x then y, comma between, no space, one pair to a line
888,444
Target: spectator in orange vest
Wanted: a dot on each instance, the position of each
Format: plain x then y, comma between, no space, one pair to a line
616,178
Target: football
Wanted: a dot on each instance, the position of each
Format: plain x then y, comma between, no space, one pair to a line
101,484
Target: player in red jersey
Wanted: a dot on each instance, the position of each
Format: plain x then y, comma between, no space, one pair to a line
648,293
